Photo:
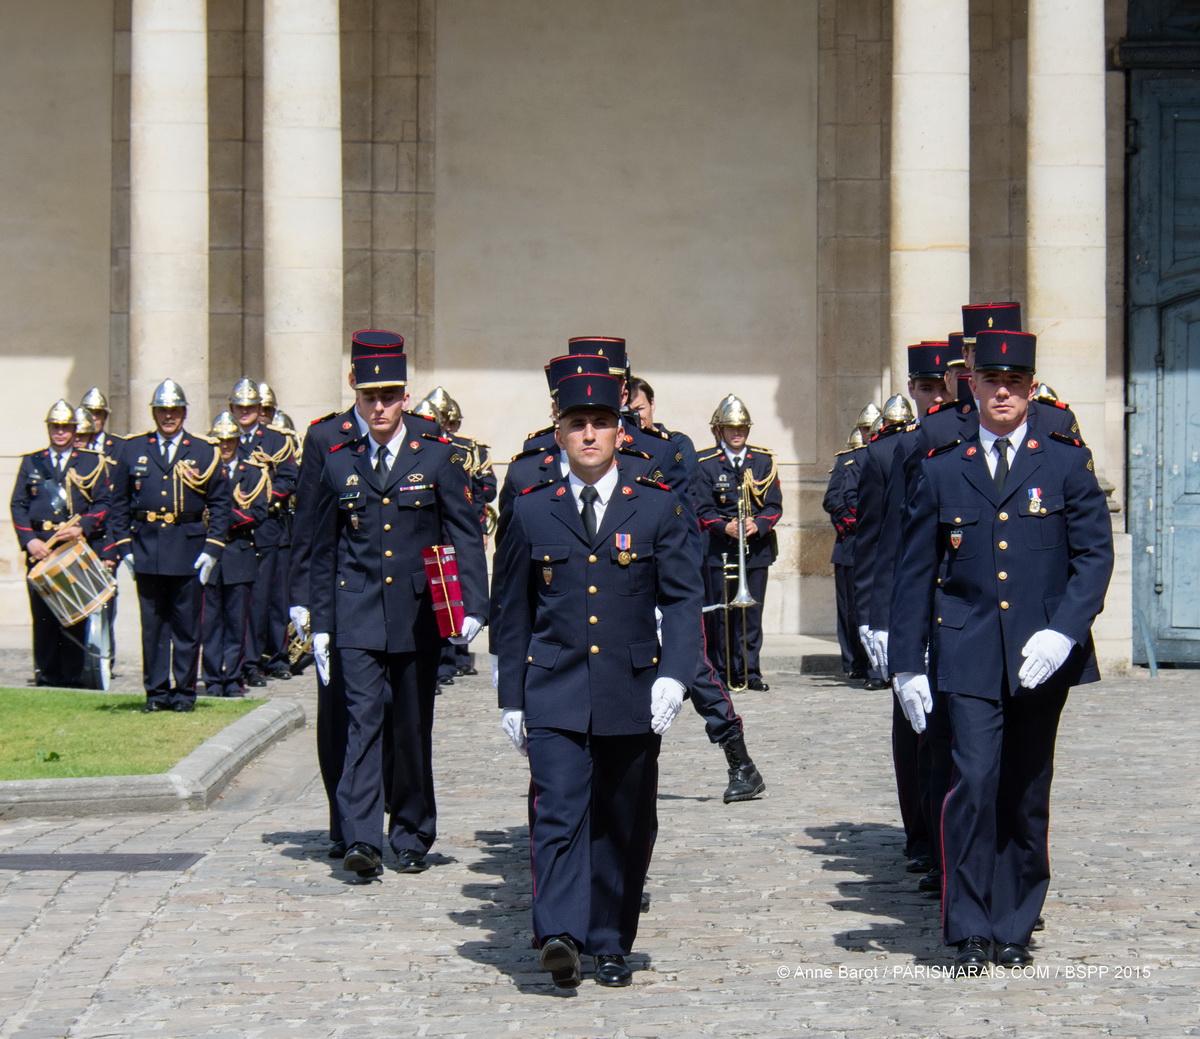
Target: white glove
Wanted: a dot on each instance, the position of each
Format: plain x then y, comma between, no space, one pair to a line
666,697
912,690
128,561
472,626
205,563
321,656
513,724
298,615
864,635
658,624
495,660
879,639
1044,654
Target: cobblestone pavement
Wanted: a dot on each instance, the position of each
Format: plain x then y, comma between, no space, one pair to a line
788,916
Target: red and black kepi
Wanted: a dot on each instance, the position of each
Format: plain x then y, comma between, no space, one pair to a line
576,392
1005,352
980,317
575,364
377,359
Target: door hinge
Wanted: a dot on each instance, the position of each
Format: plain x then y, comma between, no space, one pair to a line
1131,137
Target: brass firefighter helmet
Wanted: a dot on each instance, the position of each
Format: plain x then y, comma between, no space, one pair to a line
245,392
867,416
440,401
897,410
423,409
266,396
453,411
731,412
84,422
283,422
60,414
1046,393
168,394
855,439
94,400
224,427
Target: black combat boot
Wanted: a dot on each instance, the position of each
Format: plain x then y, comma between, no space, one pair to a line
745,782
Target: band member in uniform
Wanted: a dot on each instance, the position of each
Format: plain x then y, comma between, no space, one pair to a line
227,594
585,687
61,494
170,513
267,404
841,503
1007,556
722,476
103,441
267,651
381,499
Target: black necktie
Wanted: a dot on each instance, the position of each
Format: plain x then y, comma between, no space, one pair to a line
381,464
166,452
588,496
1001,473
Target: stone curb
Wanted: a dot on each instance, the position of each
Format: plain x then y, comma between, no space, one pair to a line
193,784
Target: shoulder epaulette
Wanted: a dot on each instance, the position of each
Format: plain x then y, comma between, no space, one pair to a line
325,418
633,452
657,433
526,453
943,448
911,426
940,407
85,451
539,432
755,447
1062,438
435,436
539,486
1061,404
850,461
646,481
712,454
339,445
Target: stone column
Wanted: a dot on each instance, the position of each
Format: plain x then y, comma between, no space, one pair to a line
168,241
302,205
930,228
1065,301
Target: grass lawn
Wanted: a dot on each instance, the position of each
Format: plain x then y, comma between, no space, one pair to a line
66,733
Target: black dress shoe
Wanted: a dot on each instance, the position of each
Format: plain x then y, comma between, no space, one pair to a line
1039,924
1012,955
363,860
409,861
875,683
255,678
560,956
281,671
645,906
757,684
854,674
974,954
919,864
612,971
467,671
183,708
931,882
151,706
448,680
337,850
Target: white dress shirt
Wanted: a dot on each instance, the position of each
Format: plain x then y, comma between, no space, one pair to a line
604,487
987,440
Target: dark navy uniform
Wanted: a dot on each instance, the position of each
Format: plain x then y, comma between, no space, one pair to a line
43,498
369,592
841,503
716,489
227,594
159,515
323,434
1036,555
267,645
578,654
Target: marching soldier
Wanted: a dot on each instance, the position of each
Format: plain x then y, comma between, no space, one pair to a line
170,515
267,652
586,689
381,499
227,594
841,503
103,442
1007,554
267,404
61,494
737,477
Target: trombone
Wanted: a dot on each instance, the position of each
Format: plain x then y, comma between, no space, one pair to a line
751,490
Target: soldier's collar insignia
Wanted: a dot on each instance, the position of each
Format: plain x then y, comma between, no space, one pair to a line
548,459
626,490
352,480
970,451
966,409
561,491
413,444
347,424
1031,444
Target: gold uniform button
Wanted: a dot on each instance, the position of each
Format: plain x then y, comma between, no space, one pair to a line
388,553
387,501
957,519
595,649
387,580
1043,512
545,559
1003,545
342,583
1004,515
387,526
591,589
654,660
591,559
415,503
939,581
593,620
1002,575
939,620
633,555
529,660
1003,605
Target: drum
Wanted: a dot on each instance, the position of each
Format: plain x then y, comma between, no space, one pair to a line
73,582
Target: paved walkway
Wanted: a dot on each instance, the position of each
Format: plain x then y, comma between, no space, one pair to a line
787,916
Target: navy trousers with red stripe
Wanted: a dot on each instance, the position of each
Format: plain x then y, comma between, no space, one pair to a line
593,818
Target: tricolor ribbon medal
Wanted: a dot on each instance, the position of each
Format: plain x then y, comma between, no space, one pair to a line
1035,499
623,541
